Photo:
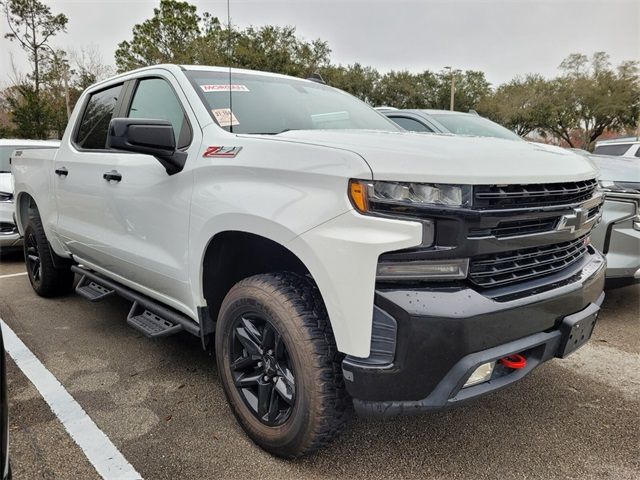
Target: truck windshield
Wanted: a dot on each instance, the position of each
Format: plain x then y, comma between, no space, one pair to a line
263,104
465,124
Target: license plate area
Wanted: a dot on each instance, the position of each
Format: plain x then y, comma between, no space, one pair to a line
577,329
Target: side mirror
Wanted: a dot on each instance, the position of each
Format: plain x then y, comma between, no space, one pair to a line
150,137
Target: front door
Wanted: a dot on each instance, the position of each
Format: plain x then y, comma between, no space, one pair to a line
146,210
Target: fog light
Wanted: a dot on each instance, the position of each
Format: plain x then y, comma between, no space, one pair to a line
481,374
423,270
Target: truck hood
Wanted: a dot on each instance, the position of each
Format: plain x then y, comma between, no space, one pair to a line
420,157
6,183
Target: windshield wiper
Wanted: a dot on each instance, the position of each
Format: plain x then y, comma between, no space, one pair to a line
272,133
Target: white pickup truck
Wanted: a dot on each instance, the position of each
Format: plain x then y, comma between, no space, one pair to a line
329,258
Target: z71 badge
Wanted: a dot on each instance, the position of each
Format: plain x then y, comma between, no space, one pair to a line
226,152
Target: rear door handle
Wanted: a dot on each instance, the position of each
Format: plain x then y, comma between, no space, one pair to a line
112,175
62,172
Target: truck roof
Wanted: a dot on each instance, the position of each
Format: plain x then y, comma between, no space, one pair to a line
21,142
176,68
613,141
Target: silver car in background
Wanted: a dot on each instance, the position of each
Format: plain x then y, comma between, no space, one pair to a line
9,236
447,121
618,234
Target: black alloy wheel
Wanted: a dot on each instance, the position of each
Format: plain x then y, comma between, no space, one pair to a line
46,279
262,369
34,264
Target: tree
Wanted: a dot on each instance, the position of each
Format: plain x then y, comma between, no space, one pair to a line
32,24
167,37
278,49
406,90
520,105
88,67
591,97
355,79
471,87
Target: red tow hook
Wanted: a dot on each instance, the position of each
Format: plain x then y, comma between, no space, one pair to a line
515,361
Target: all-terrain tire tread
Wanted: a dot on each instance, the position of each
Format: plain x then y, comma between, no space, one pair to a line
302,295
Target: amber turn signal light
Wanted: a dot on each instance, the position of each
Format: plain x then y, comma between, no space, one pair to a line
358,195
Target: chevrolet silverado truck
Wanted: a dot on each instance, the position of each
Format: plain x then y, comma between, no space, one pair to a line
332,261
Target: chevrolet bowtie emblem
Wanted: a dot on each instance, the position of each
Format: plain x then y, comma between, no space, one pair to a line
573,221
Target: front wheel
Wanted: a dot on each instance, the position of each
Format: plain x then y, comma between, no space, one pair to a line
279,365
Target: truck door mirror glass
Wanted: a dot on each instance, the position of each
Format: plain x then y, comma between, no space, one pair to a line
150,137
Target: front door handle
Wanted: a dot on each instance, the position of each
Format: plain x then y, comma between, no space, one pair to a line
112,175
62,172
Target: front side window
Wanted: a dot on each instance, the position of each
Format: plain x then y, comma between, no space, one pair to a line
155,100
92,132
264,104
410,124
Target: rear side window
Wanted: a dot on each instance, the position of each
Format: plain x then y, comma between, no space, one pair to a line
411,124
155,100
615,150
92,132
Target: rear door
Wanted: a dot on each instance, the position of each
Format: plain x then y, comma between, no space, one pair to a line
78,184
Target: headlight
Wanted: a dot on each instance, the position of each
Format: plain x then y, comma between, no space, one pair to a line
402,197
6,197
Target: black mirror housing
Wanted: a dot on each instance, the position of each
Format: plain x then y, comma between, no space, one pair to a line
149,137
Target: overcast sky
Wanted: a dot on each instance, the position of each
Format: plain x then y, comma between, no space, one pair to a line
503,38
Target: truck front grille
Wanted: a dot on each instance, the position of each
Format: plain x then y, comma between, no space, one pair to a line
516,228
494,197
519,265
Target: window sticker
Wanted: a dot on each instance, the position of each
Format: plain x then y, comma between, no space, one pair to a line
224,88
225,117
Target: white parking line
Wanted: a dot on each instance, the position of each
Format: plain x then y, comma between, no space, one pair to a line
9,275
103,455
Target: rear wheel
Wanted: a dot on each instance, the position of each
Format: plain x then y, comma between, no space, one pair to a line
279,365
45,278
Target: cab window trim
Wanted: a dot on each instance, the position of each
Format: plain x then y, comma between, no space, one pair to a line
116,109
128,101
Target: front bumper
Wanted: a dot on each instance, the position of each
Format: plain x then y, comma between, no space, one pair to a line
443,334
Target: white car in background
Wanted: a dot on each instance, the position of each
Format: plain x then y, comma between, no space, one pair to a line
619,147
9,235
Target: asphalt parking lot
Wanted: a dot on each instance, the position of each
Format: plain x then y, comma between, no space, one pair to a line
160,402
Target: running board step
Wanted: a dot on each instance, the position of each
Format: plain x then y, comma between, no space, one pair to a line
149,316
150,324
92,291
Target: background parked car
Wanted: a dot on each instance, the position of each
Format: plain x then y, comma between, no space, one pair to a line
9,236
446,121
619,147
618,234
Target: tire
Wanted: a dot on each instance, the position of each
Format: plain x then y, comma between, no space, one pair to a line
308,364
45,278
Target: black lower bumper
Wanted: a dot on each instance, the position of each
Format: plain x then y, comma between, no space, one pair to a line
443,334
